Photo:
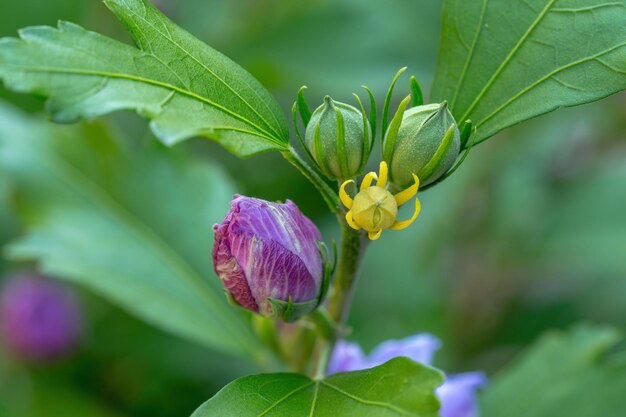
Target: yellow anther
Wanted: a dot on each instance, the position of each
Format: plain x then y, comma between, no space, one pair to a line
382,175
367,180
399,225
343,195
350,221
404,196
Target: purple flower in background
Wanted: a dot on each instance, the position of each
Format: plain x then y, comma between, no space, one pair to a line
39,318
457,394
268,259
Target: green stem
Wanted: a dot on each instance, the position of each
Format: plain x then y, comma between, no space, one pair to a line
328,194
352,248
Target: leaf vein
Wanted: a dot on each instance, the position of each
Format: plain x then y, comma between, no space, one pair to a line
586,9
170,39
369,402
74,71
314,402
508,58
470,54
551,75
285,397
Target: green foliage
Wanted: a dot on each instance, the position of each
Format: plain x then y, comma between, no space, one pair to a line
183,86
399,387
563,375
133,225
502,62
7,221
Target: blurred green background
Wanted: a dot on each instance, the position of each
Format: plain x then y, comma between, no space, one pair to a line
528,236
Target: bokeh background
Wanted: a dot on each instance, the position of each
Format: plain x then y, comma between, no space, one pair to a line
529,236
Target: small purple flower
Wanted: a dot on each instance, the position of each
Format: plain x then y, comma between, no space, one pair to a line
457,394
39,318
268,259
347,356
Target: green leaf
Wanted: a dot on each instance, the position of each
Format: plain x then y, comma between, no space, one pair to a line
505,61
183,86
399,387
133,224
562,375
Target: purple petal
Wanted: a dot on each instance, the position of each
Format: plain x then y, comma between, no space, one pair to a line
229,270
346,357
272,271
281,223
420,347
458,394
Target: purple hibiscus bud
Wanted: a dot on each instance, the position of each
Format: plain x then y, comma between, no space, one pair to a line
458,394
268,258
39,318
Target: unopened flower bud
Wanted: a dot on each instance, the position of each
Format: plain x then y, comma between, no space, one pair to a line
269,259
421,145
338,137
39,318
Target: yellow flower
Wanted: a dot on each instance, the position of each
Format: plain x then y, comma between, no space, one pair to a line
374,208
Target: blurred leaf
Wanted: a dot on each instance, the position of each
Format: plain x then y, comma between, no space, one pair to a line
399,387
503,62
134,226
34,397
183,86
7,223
562,375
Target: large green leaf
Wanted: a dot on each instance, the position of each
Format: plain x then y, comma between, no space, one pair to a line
505,61
563,375
399,387
183,86
132,224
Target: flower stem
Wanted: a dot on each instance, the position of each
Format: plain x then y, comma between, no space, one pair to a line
352,248
328,194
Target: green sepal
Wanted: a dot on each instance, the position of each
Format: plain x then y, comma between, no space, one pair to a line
294,119
288,311
466,131
329,268
385,115
470,145
437,159
342,154
416,92
367,145
303,107
335,257
373,115
390,138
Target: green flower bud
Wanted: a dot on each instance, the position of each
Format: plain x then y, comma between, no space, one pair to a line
339,139
427,143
